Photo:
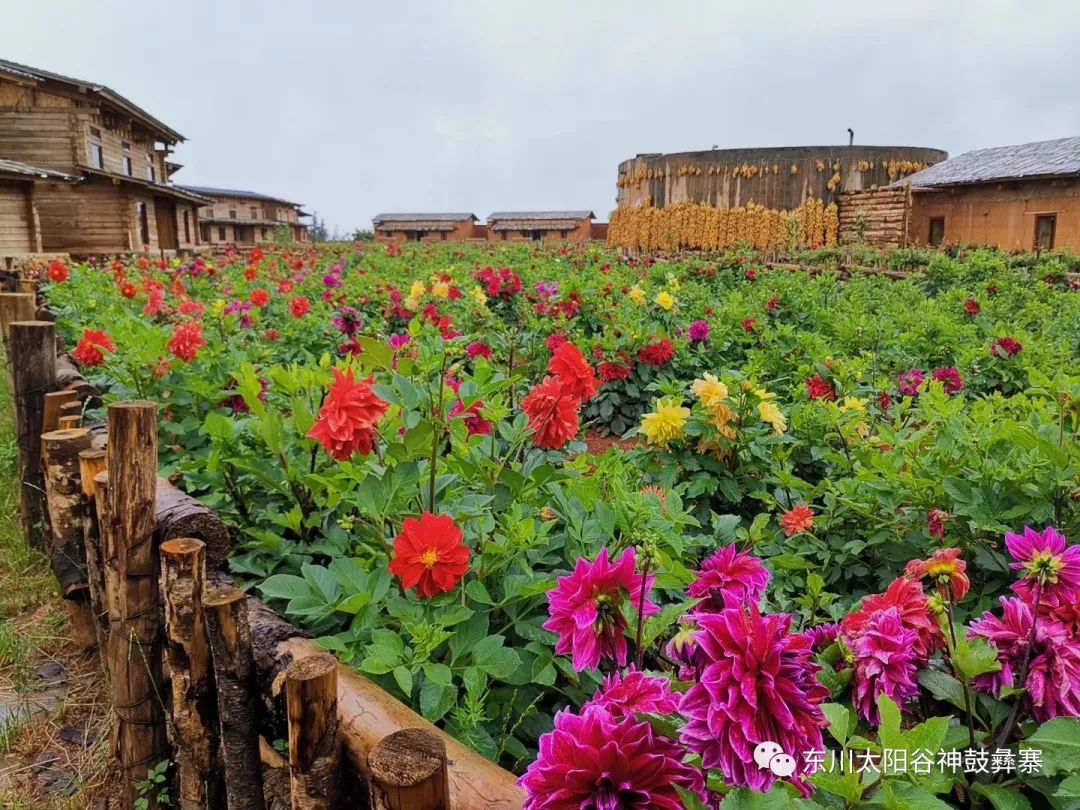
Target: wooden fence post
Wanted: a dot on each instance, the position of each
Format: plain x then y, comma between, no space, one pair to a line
134,600
194,711
91,464
53,408
225,611
67,511
408,772
314,751
33,373
16,307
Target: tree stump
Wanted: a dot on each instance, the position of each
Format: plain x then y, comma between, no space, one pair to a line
225,610
91,464
314,750
32,362
194,705
408,772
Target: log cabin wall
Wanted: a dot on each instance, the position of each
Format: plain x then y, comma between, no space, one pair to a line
36,127
247,220
780,178
878,217
1004,214
16,228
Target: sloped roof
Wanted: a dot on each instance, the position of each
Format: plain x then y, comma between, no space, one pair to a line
208,191
32,172
536,215
105,93
154,187
420,217
1060,157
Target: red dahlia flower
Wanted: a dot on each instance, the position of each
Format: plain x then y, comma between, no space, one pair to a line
817,387
300,307
658,353
429,555
613,372
58,272
186,341
260,297
348,417
91,349
573,371
799,520
128,290
553,414
1006,347
477,349
944,568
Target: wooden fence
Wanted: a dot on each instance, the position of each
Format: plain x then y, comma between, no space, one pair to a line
200,673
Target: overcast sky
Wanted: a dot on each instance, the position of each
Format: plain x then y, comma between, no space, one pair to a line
355,108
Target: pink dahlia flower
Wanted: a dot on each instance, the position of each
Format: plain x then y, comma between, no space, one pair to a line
822,635
586,609
760,685
884,663
1053,677
909,382
950,380
594,760
908,598
683,649
729,578
1045,563
623,695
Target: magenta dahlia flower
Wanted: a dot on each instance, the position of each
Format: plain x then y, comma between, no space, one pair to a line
699,331
594,760
822,635
683,649
950,379
586,608
623,695
884,663
760,685
1045,564
1053,677
908,382
729,578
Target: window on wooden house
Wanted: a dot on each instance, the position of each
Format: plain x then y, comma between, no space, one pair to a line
232,213
564,234
151,172
442,235
221,233
187,225
502,235
254,212
97,152
263,232
937,231
125,160
144,224
1045,226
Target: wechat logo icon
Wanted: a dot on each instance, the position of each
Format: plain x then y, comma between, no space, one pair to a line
771,756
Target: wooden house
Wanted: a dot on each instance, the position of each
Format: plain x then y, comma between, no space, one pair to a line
419,227
20,226
564,226
98,171
1023,197
234,217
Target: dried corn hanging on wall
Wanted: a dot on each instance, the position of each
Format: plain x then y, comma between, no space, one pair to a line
698,226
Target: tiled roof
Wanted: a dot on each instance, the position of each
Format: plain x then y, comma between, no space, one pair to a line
534,215
1059,157
207,191
452,217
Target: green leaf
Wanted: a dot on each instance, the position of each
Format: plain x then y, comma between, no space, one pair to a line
478,592
662,621
496,660
906,796
1002,798
943,686
845,785
974,657
285,586
1069,787
842,721
1059,741
404,680
776,799
436,699
690,801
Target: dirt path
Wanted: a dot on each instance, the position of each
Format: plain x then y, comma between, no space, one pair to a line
54,711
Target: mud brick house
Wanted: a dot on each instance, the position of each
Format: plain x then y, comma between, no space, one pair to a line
94,176
563,226
1023,197
234,217
420,227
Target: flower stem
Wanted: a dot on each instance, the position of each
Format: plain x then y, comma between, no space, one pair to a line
1010,724
641,616
436,431
947,594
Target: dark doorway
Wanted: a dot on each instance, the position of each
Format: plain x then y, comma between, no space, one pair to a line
165,218
937,231
144,225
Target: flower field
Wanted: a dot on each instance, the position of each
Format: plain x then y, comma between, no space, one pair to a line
838,519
